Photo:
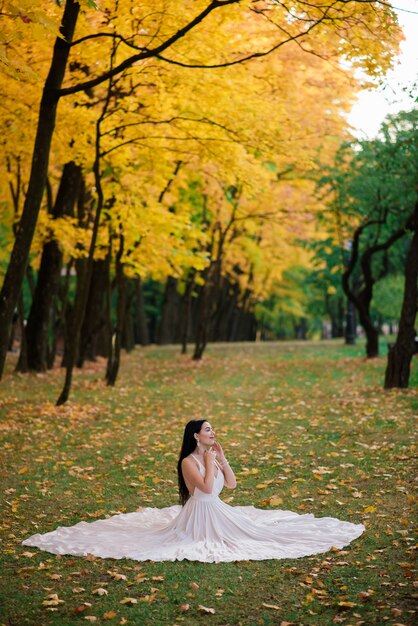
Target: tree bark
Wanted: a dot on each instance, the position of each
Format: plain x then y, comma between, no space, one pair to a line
400,356
350,327
46,123
114,358
22,364
39,320
140,321
84,285
128,332
362,298
93,336
186,310
207,307
169,313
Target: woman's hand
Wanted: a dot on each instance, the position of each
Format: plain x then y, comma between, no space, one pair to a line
217,448
210,456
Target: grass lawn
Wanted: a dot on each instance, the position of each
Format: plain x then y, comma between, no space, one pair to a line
305,425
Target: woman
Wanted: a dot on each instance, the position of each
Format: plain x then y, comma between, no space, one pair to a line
205,528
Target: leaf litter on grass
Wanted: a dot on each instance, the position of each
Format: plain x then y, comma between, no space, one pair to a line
304,431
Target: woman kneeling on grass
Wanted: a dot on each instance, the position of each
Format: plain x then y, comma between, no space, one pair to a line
203,528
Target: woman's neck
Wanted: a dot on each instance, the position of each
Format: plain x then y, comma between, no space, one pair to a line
200,450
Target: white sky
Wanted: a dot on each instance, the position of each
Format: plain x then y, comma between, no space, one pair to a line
373,106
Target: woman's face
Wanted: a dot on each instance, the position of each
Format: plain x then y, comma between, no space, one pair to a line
206,436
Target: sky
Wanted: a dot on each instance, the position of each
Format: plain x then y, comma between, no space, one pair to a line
372,106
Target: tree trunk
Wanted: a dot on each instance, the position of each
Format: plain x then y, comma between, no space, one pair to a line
114,358
187,304
39,320
228,301
128,332
39,168
207,307
202,322
22,364
362,302
350,328
400,356
169,313
93,336
84,286
140,321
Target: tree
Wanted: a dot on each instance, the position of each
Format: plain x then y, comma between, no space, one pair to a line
307,27
400,355
405,128
374,185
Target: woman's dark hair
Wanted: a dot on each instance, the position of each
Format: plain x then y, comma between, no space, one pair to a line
187,447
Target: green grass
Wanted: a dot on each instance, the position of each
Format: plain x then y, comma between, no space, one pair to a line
311,418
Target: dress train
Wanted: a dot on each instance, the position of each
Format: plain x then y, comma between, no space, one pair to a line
205,529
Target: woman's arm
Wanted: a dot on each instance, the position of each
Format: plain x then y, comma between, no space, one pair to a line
230,480
194,478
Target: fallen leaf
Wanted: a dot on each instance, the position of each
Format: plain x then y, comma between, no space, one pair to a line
129,601
275,501
117,576
205,609
184,607
109,615
90,618
100,591
148,598
52,600
365,595
194,585
271,606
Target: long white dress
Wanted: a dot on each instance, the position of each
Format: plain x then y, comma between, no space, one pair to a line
204,529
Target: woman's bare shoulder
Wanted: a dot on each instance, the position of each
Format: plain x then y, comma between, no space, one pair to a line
189,460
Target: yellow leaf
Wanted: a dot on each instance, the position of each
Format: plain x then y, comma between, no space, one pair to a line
370,509
148,598
271,606
109,615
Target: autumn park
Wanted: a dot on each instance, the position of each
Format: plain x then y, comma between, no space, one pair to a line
191,230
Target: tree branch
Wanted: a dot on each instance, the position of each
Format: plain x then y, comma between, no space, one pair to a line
146,54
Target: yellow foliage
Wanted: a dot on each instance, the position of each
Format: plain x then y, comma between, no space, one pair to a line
177,137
